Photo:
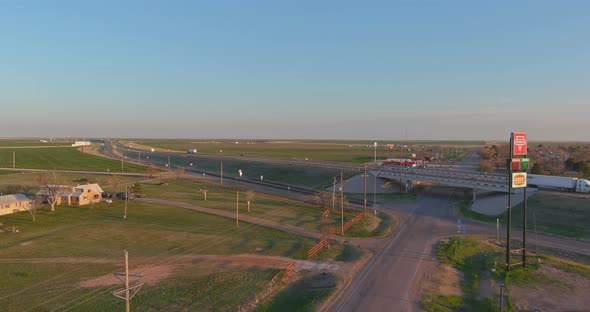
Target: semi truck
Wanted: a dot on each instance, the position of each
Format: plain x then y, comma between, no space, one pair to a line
561,183
404,162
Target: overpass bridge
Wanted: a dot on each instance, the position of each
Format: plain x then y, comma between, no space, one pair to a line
463,179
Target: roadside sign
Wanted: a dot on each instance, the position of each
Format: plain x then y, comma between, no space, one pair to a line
515,164
518,179
519,146
524,163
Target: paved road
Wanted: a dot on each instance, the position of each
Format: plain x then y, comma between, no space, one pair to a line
385,283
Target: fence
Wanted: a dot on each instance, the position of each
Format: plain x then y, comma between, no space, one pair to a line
317,247
353,221
290,268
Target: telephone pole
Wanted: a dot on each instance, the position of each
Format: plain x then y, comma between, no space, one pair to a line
237,209
342,204
13,159
365,195
122,167
334,195
221,175
129,291
126,201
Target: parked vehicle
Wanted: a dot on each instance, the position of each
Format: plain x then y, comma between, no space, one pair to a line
107,195
562,183
124,195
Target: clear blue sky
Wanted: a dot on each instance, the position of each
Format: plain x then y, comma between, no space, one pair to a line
295,69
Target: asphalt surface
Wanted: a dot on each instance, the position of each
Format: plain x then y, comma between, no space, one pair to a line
386,281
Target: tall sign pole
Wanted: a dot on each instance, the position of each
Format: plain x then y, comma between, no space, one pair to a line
509,212
518,164
365,195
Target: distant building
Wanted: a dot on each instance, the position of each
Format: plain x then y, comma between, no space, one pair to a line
74,195
14,203
81,143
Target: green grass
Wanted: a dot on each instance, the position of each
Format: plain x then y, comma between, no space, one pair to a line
272,208
300,296
384,197
29,185
464,209
438,303
152,234
24,142
344,151
552,213
309,177
557,214
62,159
472,257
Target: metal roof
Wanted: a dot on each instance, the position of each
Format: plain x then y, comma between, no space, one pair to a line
10,199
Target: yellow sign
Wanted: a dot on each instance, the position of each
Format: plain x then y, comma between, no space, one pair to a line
518,179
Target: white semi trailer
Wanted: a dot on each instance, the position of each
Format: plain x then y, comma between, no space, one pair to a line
562,183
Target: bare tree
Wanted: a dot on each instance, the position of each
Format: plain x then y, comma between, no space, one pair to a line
250,195
323,198
179,172
151,170
50,187
33,206
114,181
204,191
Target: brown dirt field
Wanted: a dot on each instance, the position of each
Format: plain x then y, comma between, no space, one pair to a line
446,281
572,295
207,263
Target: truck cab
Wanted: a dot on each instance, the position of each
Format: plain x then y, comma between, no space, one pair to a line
583,186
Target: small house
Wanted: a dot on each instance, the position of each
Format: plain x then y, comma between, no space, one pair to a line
14,203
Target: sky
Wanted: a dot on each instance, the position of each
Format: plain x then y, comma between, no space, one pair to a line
454,70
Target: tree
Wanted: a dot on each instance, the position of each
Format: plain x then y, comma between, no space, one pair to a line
537,169
250,195
33,206
50,187
204,191
136,190
179,172
114,181
151,170
323,198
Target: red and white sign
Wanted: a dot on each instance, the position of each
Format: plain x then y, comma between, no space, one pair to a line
519,179
519,143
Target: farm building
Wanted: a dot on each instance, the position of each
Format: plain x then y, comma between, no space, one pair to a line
13,203
73,195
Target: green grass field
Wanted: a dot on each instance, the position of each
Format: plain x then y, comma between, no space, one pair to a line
272,208
62,159
24,142
26,182
550,213
344,151
154,236
310,177
474,258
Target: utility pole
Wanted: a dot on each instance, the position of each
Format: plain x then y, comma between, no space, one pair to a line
524,224
126,201
509,222
334,195
375,145
127,298
169,168
342,203
129,291
13,159
139,157
237,209
365,196
122,167
221,175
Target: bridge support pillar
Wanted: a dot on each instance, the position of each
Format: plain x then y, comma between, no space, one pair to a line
474,194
